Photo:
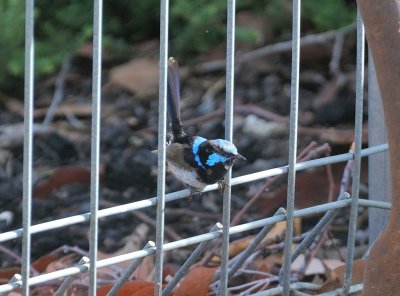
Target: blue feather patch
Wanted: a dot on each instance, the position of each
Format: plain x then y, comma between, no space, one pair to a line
215,158
195,149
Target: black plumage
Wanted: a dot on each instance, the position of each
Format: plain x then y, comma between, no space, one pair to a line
194,161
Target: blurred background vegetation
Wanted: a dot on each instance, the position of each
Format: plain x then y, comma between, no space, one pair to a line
63,26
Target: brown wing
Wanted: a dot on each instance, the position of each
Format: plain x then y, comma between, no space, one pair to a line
175,155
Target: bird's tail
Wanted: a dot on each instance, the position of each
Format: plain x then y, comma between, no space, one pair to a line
173,99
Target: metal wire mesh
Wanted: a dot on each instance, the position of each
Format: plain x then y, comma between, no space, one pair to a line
24,281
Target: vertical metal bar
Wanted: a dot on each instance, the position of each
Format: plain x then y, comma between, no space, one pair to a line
250,248
128,272
162,133
95,142
189,262
28,145
357,153
226,216
285,281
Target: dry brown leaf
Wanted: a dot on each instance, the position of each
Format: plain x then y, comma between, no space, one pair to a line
148,291
144,269
139,76
39,265
336,276
170,269
269,264
43,262
198,280
62,176
7,273
62,262
307,193
331,264
128,289
315,266
239,245
280,228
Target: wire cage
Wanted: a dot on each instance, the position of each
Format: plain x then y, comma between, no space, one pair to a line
221,230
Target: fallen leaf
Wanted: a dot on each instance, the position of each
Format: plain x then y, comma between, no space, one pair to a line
139,76
62,262
239,245
331,264
336,276
61,176
269,264
145,268
147,291
198,280
7,273
280,228
43,262
130,288
315,266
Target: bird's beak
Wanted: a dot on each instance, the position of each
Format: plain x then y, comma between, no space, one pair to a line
240,157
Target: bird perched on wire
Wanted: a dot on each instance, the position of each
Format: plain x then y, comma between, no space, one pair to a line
195,161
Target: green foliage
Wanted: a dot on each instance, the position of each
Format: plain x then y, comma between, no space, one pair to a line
60,26
195,26
328,14
11,37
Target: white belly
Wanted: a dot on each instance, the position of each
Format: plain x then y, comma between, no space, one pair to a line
189,178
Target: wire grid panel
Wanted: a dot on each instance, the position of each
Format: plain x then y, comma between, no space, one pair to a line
24,280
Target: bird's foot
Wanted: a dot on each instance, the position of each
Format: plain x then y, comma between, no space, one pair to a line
222,185
193,192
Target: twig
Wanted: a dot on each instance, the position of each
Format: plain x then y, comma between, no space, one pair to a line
274,49
255,287
59,90
310,152
10,253
326,134
251,286
216,87
255,272
336,53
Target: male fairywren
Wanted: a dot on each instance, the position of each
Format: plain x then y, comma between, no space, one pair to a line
193,160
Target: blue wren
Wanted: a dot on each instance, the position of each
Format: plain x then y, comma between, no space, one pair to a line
193,160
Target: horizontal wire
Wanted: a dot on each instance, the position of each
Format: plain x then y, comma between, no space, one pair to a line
192,240
14,234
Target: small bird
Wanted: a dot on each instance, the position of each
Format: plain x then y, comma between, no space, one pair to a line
193,160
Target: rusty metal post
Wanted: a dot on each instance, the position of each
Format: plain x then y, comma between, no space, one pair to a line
381,20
